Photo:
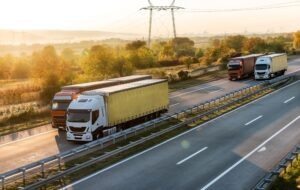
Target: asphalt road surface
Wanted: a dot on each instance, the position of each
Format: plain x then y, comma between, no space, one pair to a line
231,152
48,143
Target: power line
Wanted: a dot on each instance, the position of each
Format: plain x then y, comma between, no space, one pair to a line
264,7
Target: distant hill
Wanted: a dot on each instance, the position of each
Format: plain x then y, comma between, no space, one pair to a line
57,36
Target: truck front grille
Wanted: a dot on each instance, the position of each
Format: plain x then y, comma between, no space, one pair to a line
77,129
261,73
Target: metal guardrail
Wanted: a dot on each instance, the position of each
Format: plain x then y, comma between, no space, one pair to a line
41,166
281,167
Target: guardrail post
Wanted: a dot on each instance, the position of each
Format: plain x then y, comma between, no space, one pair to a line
24,176
114,140
59,162
2,182
134,131
43,169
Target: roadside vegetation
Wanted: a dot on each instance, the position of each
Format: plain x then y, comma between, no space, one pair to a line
289,180
33,79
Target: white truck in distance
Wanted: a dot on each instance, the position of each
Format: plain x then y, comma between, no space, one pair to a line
102,112
269,66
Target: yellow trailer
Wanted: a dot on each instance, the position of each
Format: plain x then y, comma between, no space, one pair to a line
134,100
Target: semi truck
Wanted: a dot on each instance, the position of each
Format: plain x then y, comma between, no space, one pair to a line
62,99
270,66
102,112
242,67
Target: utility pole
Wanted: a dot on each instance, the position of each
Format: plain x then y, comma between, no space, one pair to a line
152,8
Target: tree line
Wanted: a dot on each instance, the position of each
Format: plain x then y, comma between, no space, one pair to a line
53,69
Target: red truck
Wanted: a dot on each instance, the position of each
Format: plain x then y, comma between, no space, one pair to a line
62,99
242,67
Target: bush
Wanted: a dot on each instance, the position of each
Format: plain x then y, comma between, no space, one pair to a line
183,75
172,78
50,86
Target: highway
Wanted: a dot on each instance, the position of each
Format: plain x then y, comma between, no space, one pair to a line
47,143
231,152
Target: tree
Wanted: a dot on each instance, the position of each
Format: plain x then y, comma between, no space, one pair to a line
122,66
187,61
97,61
167,51
254,45
296,42
142,58
51,70
183,47
276,44
135,45
50,85
199,53
21,69
44,62
6,64
235,42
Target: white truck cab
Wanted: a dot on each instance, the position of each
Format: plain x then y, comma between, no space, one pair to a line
262,68
86,117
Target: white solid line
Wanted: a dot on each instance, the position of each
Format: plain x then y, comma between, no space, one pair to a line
215,91
254,120
198,89
16,141
287,101
249,154
174,105
191,156
193,129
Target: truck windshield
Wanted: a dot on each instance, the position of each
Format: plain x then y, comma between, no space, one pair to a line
80,116
234,67
60,105
261,67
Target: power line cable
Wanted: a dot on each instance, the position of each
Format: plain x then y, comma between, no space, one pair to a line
263,7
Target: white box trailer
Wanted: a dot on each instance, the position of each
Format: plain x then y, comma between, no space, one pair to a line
104,111
270,66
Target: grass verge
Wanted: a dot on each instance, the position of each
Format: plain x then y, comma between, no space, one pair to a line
27,120
209,77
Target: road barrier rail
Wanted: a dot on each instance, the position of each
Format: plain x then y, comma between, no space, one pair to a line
40,167
279,169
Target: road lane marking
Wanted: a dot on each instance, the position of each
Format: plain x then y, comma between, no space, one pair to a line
26,138
171,139
182,94
253,120
173,105
287,101
191,156
262,149
249,154
215,91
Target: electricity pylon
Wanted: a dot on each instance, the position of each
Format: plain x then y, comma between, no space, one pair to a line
152,8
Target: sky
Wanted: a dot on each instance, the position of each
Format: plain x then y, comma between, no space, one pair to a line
125,16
